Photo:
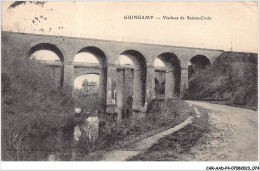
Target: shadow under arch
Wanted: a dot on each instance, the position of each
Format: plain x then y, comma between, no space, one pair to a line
197,63
102,59
157,83
140,74
173,74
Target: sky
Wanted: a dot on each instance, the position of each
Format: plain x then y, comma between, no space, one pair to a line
232,22
232,25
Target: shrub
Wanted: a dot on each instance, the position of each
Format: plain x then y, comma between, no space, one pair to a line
232,77
160,114
35,114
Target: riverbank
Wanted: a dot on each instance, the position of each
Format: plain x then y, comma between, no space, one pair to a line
161,116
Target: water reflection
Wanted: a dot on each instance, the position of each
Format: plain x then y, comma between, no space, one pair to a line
89,128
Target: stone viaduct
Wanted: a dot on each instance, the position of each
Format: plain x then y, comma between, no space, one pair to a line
176,60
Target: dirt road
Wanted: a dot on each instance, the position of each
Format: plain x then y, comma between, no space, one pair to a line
233,135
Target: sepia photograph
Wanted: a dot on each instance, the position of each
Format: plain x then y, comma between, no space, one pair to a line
86,81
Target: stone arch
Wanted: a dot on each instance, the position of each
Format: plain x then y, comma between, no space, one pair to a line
102,59
173,74
46,46
197,63
58,70
85,72
98,53
140,75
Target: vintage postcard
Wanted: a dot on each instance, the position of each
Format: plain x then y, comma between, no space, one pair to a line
129,81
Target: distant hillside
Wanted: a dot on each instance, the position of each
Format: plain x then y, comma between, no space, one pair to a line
232,78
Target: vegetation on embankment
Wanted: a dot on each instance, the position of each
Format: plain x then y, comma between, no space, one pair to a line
231,79
37,117
172,147
161,115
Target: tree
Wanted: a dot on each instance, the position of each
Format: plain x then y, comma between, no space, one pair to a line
33,109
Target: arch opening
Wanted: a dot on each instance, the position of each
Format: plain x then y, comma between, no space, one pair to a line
88,55
172,75
45,48
86,88
197,63
131,94
85,57
124,60
89,77
50,56
92,61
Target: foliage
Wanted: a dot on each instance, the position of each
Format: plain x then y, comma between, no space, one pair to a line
232,77
88,103
160,115
35,113
160,89
87,129
173,146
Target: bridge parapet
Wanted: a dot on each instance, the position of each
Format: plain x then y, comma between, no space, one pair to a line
50,63
92,65
86,64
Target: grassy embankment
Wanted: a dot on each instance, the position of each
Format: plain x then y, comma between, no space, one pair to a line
178,144
37,117
161,115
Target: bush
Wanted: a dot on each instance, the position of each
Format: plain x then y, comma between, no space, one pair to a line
160,115
232,77
88,103
36,114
